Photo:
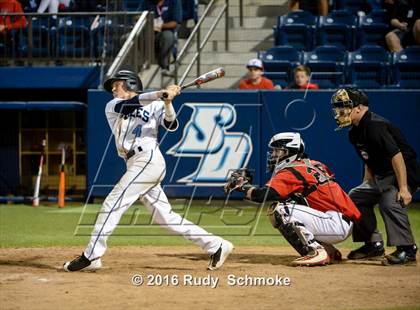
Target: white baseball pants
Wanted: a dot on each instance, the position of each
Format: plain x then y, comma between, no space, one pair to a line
328,227
145,171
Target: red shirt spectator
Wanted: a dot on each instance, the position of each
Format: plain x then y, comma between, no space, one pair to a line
11,22
255,79
302,76
264,84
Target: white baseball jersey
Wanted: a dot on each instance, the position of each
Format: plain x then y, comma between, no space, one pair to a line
135,125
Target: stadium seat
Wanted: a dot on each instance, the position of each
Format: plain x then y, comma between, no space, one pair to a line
379,16
296,29
280,58
278,78
8,50
132,5
327,64
407,67
74,38
372,28
279,62
369,67
43,38
109,35
353,6
375,4
337,29
3,50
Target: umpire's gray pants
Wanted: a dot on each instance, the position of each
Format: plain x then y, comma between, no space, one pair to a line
382,191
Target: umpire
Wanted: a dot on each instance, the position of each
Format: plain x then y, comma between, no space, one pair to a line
391,178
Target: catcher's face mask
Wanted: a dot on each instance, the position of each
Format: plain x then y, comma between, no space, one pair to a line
275,156
342,107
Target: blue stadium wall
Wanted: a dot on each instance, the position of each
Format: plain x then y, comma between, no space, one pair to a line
229,129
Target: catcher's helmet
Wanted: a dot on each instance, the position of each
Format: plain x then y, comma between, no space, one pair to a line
131,80
292,146
343,101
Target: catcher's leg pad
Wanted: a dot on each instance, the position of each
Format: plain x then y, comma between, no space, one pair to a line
291,231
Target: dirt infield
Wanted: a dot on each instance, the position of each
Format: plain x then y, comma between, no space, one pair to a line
30,279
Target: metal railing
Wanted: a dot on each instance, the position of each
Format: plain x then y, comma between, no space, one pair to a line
138,49
196,34
78,37
241,13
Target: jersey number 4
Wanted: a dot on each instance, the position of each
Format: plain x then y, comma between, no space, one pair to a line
137,131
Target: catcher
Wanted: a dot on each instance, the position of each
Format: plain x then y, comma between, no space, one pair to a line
310,209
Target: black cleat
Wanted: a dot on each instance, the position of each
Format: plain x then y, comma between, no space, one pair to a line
403,255
81,262
368,250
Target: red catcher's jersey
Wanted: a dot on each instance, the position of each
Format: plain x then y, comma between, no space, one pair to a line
315,182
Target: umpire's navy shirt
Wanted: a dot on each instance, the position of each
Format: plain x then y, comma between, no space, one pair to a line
376,141
171,10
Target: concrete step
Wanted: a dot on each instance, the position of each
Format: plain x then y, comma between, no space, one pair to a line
240,35
232,71
222,58
244,42
149,74
223,83
249,11
254,2
235,46
249,22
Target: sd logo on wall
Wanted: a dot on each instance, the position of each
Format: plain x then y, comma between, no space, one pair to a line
208,138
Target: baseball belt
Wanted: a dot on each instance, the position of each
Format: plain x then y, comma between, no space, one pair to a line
132,152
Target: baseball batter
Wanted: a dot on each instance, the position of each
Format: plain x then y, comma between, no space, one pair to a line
311,210
134,120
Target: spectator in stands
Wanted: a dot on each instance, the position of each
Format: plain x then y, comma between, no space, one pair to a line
168,15
255,79
405,19
30,5
54,6
316,7
189,11
10,23
302,75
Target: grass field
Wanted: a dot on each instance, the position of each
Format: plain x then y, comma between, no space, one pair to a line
45,226
34,243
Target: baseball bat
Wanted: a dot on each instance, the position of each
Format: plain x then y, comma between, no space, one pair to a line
147,98
204,78
35,200
62,182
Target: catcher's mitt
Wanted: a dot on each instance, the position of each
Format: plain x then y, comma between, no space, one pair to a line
238,179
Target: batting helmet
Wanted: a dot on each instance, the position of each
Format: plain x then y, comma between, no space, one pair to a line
131,80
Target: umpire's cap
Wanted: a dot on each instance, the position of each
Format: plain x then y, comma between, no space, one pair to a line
131,79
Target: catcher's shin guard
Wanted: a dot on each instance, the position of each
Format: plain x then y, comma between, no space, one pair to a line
290,230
